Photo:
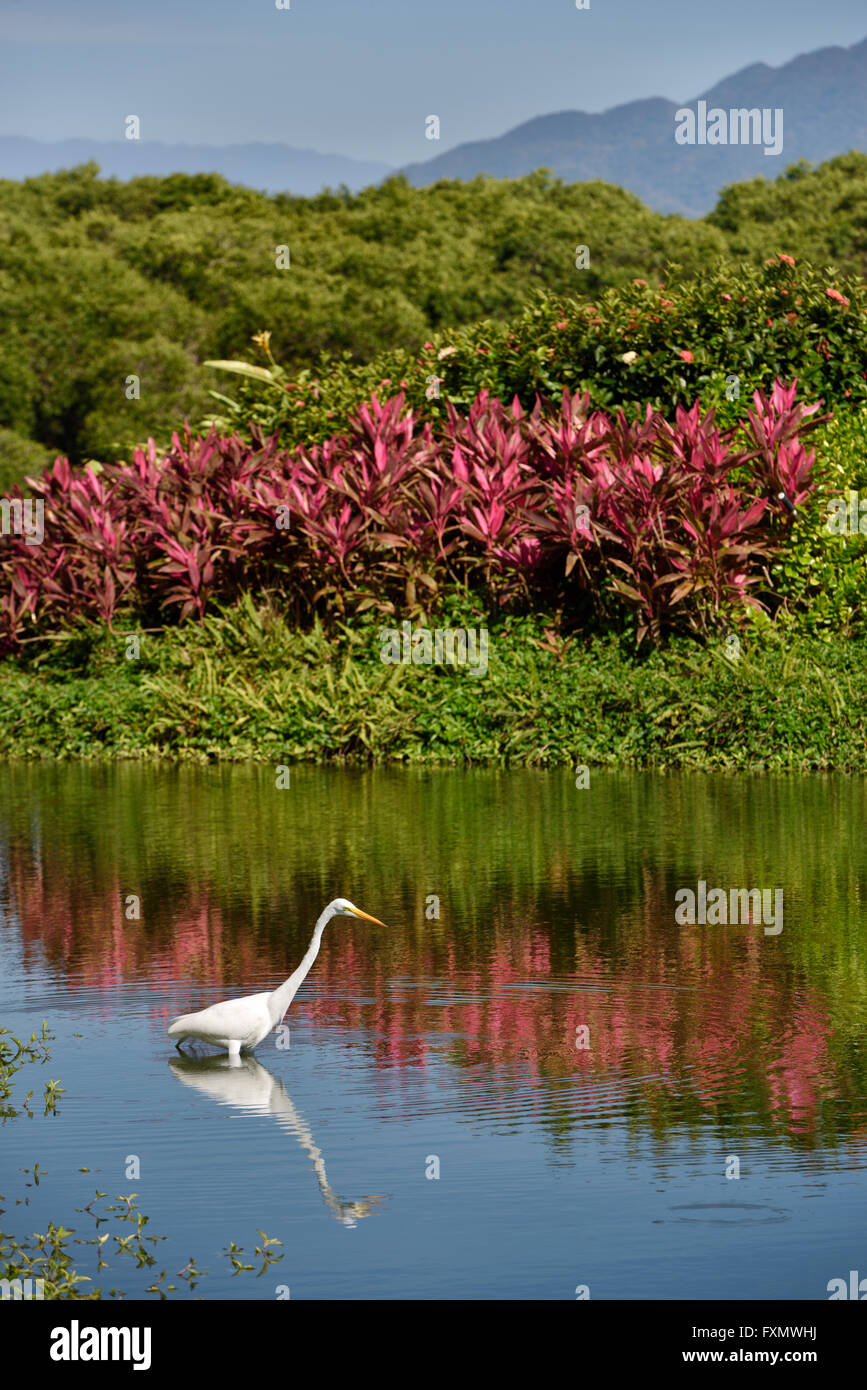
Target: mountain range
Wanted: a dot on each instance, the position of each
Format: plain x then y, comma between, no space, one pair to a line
273,168
822,96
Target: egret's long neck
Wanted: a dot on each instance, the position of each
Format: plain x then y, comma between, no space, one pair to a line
281,998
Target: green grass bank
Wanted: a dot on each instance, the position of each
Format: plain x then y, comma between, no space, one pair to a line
244,686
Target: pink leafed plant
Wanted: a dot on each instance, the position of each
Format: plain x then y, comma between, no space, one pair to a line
560,505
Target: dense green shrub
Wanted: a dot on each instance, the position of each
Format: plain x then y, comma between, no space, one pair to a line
823,573
729,330
20,457
100,280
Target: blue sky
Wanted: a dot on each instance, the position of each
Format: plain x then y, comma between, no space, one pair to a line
358,77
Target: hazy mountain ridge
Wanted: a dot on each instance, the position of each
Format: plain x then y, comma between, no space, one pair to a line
273,168
823,96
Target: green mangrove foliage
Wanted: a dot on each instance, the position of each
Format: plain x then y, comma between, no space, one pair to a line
113,294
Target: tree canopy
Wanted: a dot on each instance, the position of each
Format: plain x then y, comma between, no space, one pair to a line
114,294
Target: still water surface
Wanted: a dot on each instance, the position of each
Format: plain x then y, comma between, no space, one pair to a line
450,1042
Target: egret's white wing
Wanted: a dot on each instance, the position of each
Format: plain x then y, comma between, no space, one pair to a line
232,1018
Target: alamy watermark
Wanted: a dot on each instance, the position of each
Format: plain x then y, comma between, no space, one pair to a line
847,516
77,1343
17,1289
855,1289
23,517
740,906
444,646
739,126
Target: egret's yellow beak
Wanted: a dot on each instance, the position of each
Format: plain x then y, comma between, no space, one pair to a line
357,912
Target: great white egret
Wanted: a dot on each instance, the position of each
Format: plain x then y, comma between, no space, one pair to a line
242,1023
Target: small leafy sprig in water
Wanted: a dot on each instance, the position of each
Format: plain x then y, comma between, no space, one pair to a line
136,1243
234,1253
45,1257
14,1054
53,1089
263,1252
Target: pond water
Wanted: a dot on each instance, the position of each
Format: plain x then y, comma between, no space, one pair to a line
535,1079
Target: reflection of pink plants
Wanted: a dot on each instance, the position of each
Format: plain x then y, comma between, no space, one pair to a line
708,1039
537,504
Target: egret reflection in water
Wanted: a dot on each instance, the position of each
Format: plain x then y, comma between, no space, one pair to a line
245,1084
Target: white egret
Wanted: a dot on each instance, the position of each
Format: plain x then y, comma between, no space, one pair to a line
242,1023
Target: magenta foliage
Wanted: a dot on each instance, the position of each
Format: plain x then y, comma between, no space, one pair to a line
547,504
780,461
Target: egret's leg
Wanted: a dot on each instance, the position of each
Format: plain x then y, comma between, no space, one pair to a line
234,1047
178,1046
